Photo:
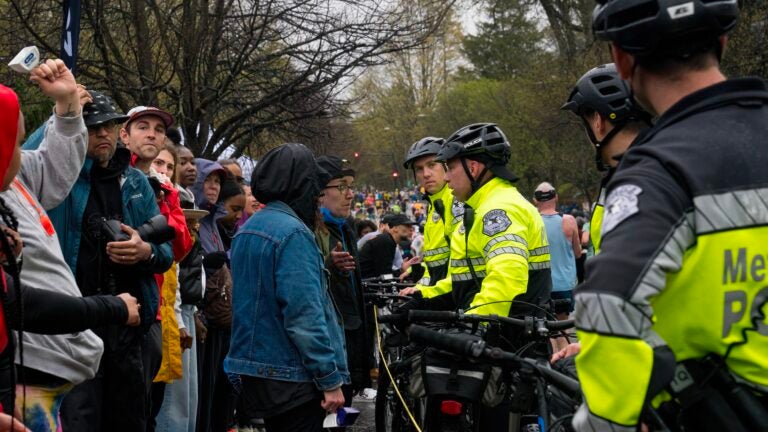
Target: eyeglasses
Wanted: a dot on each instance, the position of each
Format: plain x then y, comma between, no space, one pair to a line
108,126
342,187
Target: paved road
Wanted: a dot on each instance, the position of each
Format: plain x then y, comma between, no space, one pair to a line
364,423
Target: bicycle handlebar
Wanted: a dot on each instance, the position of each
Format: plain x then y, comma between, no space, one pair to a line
479,349
385,296
395,318
456,345
450,316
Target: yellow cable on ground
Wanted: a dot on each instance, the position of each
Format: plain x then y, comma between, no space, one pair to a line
391,378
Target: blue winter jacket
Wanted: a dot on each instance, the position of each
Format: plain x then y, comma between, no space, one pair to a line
139,206
284,324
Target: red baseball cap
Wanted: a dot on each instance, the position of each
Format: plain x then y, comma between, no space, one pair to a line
141,111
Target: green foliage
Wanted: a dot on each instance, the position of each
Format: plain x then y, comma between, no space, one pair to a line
508,42
746,53
518,80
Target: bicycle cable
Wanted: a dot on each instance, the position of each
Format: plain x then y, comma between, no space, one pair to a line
392,381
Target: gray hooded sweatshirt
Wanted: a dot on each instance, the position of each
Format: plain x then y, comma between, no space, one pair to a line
47,174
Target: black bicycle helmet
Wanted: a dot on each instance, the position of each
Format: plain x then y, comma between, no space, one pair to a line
475,140
423,147
602,90
667,28
484,142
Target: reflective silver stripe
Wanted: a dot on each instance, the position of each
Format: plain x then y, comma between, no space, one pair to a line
465,263
437,251
602,197
540,251
583,420
539,265
668,260
424,281
437,262
730,210
458,277
445,371
610,314
505,237
508,250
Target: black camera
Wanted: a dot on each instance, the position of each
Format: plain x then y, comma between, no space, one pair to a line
156,231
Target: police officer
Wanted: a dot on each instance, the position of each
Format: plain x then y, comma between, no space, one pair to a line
681,275
430,175
499,252
611,119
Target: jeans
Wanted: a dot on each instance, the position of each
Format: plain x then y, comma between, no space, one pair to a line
306,418
179,410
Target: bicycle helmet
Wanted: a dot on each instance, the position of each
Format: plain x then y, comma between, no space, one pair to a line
476,140
602,90
423,147
483,142
667,28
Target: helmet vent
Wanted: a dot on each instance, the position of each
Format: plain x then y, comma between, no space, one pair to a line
601,79
633,14
609,90
618,103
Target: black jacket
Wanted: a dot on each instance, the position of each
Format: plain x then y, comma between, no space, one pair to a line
377,255
346,289
49,312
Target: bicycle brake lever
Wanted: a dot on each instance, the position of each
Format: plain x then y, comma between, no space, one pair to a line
476,349
541,328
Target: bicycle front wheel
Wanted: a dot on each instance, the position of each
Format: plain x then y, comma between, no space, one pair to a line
390,415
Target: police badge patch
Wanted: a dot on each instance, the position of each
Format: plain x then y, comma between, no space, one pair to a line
457,209
620,205
462,230
435,217
495,221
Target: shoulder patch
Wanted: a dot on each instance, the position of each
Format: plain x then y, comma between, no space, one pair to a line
495,221
620,205
457,209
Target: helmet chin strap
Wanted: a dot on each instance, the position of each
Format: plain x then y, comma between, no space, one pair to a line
474,183
599,145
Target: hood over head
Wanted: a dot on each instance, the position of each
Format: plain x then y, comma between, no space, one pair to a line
204,169
9,126
290,174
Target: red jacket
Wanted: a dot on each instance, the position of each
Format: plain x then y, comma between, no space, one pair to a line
170,207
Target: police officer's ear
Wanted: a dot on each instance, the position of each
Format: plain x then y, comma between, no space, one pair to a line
625,62
600,125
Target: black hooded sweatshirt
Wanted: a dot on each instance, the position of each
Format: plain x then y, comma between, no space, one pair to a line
290,174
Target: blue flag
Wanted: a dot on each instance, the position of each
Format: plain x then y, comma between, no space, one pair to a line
70,35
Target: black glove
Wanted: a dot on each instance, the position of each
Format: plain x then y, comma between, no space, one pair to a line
214,261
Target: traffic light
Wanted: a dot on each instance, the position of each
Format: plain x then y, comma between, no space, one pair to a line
357,155
394,174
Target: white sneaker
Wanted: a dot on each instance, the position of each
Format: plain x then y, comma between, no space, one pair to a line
368,394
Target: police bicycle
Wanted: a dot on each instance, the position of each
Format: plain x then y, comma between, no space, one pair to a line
382,298
455,388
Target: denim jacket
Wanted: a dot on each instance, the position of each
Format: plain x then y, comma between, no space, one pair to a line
284,326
